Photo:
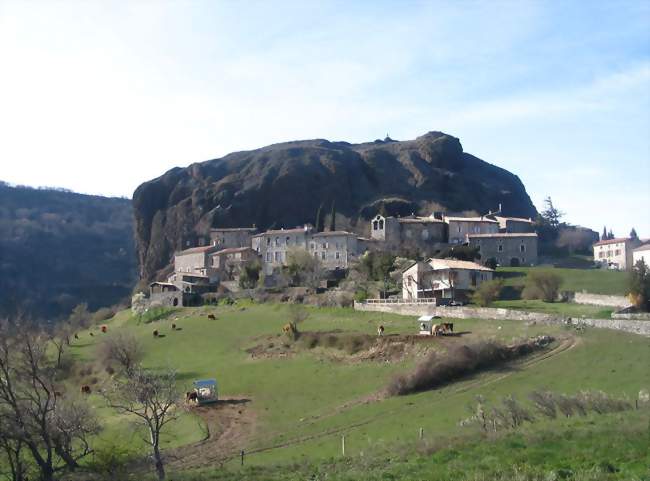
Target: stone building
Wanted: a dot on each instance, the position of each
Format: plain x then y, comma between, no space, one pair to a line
195,260
515,224
230,237
460,227
228,262
443,279
273,245
404,233
334,249
615,253
507,248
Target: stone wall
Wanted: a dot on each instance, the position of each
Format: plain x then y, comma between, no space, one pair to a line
599,299
466,312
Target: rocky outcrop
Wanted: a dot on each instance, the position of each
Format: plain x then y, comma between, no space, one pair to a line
283,185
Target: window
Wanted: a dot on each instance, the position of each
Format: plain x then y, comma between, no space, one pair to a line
458,227
523,259
375,225
408,233
277,257
268,241
322,255
409,279
277,241
268,257
381,224
522,248
425,234
316,255
338,255
312,246
287,241
500,247
324,245
618,252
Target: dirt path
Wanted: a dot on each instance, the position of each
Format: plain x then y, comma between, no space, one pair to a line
231,423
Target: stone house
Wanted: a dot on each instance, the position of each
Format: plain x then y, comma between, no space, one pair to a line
230,237
195,260
417,233
641,253
443,279
334,249
460,227
273,245
515,224
228,262
615,253
507,248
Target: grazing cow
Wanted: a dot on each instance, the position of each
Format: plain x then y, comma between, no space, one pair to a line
380,331
76,336
437,330
85,389
104,328
91,334
191,396
173,327
448,327
211,316
155,333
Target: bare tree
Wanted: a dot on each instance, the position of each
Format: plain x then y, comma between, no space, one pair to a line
36,418
122,348
11,450
139,304
150,397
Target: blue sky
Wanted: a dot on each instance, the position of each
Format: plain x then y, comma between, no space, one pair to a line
100,96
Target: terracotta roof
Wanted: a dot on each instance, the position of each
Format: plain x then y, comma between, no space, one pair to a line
442,264
612,241
504,234
232,250
333,232
196,250
643,247
420,220
233,229
470,219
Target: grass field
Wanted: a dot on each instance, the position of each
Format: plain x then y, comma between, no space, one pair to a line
595,281
300,405
567,309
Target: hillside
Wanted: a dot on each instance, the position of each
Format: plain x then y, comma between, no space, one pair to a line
59,248
288,405
284,185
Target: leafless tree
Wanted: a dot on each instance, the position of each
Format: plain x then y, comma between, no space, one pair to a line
51,429
122,348
151,398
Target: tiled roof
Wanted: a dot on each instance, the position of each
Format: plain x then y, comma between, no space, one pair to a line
441,264
612,241
503,234
233,229
196,250
232,250
420,220
333,233
470,219
643,247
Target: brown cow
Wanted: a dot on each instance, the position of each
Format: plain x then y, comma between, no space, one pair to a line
91,334
173,327
380,331
85,389
191,396
104,328
76,336
448,327
156,333
211,316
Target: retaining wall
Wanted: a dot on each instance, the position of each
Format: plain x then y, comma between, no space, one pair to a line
599,299
466,312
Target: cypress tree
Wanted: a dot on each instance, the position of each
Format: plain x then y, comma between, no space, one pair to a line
603,236
320,219
633,234
611,234
333,217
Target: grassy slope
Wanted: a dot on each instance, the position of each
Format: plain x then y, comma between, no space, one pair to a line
596,281
560,308
287,393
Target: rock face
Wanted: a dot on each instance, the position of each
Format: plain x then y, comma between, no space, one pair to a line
283,185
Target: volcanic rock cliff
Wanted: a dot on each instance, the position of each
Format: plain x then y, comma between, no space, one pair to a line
283,185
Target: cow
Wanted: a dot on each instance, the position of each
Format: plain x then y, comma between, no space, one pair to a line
380,331
211,316
85,389
191,396
437,330
156,333
104,328
173,327
91,334
448,327
76,336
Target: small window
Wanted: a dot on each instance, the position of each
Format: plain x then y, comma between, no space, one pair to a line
381,224
500,248
338,255
277,241
268,257
522,248
375,225
277,257
322,255
287,241
268,241
458,227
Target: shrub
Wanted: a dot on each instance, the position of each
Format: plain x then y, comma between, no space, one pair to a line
250,275
639,286
542,285
361,295
491,263
113,461
487,292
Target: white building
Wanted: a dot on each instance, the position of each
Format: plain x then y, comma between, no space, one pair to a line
641,253
443,278
615,253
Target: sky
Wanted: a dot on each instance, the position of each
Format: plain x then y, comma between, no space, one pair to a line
100,96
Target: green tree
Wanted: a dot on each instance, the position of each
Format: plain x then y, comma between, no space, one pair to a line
603,236
320,219
303,268
633,234
610,235
333,217
551,215
639,285
487,292
542,285
250,275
